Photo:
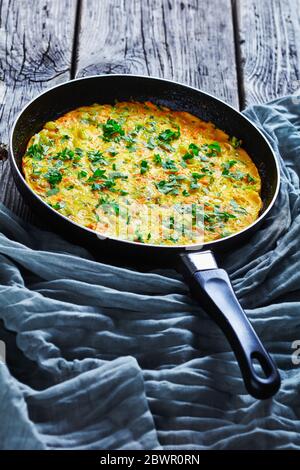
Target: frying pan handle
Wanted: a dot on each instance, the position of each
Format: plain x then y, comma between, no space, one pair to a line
213,288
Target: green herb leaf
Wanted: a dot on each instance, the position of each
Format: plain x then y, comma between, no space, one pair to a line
227,165
97,157
194,149
169,186
81,174
211,150
52,192
235,142
144,166
53,177
237,208
170,165
58,205
151,143
36,151
112,130
215,146
168,135
250,178
112,151
118,174
197,176
65,154
188,156
157,159
98,174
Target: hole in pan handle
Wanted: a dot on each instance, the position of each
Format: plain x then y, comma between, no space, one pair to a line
212,287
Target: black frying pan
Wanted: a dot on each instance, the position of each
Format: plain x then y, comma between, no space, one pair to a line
208,283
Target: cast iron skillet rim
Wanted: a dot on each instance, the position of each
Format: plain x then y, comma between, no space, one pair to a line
211,244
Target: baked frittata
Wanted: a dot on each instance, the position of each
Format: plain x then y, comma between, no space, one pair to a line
144,172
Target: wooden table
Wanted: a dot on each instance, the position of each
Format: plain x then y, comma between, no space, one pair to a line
243,51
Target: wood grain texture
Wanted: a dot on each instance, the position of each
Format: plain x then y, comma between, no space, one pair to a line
36,40
189,41
268,33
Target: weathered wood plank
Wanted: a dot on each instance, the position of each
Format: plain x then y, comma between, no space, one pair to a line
269,40
190,41
36,40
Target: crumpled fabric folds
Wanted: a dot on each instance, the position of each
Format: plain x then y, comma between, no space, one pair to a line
103,357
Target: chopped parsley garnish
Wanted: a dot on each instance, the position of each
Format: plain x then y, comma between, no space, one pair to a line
217,216
118,174
168,135
151,143
138,236
97,157
170,165
188,156
250,178
78,154
37,151
144,166
193,152
235,142
211,150
52,192
227,165
98,174
237,175
53,177
137,129
152,126
112,130
58,205
198,176
185,193
171,222
81,174
65,137
112,151
194,149
157,159
96,186
108,183
215,146
103,200
130,142
237,208
225,216
168,187
195,177
65,154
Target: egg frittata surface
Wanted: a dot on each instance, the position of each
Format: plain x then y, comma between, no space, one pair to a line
144,172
